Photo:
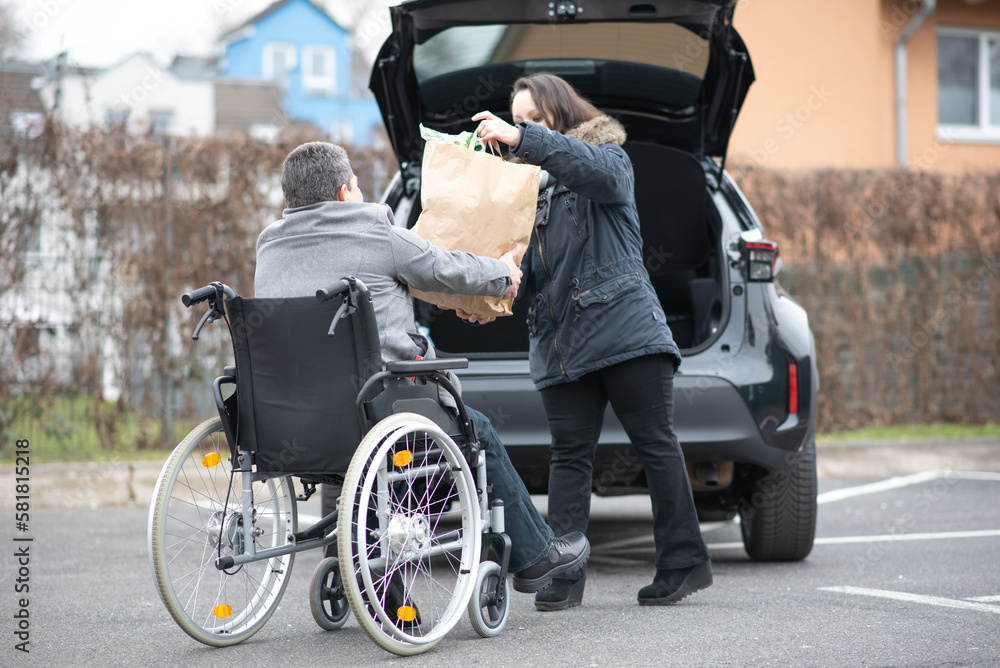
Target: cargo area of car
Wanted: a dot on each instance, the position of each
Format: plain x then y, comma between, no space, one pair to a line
680,230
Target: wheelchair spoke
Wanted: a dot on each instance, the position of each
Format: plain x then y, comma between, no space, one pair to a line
197,516
396,499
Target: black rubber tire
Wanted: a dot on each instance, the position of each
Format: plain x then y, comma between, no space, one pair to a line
327,600
778,515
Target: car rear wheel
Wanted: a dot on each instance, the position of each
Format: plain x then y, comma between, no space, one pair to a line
778,517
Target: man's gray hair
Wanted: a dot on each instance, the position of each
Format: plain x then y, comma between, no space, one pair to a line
314,173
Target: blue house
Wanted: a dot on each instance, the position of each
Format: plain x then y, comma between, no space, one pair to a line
296,44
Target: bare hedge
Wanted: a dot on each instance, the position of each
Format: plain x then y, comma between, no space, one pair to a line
898,271
128,224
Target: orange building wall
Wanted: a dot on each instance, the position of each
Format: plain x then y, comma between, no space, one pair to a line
823,95
825,89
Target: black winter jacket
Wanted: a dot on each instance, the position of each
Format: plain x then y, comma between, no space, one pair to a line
592,302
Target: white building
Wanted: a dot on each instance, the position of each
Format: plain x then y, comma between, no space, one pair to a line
185,99
135,91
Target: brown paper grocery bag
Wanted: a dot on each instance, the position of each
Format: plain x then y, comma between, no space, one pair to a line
476,202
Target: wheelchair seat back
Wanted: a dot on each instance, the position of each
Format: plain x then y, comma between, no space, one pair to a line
296,386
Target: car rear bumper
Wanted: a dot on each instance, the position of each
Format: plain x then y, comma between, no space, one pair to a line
711,419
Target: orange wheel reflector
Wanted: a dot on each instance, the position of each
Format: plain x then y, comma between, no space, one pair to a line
210,460
402,458
222,611
406,613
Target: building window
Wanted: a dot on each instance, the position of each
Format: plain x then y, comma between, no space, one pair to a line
343,131
159,121
968,84
28,124
279,61
26,342
318,63
116,119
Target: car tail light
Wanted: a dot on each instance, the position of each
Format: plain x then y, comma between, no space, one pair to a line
763,260
793,388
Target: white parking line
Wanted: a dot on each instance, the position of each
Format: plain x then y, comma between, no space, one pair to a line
985,599
903,481
915,598
826,497
875,487
878,538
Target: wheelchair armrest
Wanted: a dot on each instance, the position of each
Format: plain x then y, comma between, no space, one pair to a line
409,368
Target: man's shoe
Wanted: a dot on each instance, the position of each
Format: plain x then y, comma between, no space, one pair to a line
671,586
567,556
561,594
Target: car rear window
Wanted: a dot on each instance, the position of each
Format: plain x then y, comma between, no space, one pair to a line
663,45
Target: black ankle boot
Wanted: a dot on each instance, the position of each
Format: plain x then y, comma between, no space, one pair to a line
673,585
561,594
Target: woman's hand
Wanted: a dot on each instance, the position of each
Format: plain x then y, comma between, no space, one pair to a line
492,127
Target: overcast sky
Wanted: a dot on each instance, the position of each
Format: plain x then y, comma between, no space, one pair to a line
97,33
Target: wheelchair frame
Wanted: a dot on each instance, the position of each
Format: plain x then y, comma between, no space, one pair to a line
390,502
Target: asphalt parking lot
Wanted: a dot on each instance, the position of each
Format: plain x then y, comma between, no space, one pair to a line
905,572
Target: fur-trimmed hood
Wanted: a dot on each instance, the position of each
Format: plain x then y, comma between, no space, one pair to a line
598,131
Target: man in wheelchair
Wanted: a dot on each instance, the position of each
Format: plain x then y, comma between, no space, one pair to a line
327,232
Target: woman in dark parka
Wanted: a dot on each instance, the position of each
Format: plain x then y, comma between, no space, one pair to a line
597,331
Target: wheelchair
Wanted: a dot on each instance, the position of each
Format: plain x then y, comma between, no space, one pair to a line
418,544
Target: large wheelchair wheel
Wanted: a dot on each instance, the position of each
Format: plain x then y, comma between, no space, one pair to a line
409,534
196,516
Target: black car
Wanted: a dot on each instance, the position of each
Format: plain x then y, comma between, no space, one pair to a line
675,74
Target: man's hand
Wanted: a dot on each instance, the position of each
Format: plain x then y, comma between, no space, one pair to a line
492,127
473,318
508,258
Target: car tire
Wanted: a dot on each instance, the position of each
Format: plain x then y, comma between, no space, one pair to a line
778,516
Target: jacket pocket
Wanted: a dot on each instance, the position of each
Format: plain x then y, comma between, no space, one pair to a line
609,291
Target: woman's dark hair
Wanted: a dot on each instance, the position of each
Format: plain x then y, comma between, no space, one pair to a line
557,99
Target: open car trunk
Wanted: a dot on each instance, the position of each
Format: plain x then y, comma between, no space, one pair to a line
674,72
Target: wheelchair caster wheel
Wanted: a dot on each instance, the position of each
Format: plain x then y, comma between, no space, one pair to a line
489,606
327,599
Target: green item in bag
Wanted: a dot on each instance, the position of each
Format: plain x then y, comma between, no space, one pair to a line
465,139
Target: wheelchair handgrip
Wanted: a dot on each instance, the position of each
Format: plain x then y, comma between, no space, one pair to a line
197,296
338,288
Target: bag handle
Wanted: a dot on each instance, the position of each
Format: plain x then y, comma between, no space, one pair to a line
492,148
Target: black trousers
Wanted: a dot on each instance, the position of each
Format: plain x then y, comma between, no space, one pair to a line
641,394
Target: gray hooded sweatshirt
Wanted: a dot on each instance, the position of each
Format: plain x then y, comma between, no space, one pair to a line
314,246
